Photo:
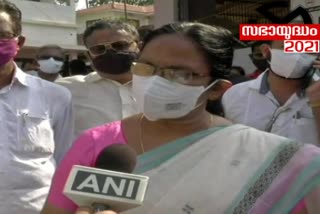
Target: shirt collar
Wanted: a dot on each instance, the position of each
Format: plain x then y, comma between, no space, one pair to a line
95,77
261,84
19,76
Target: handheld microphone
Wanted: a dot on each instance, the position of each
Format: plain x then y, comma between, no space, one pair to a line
109,186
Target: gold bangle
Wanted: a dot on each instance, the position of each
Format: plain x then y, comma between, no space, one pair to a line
315,104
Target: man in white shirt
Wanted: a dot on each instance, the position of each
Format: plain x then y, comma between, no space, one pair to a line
282,100
50,59
105,96
36,124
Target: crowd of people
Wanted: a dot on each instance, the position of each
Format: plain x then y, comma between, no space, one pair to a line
210,137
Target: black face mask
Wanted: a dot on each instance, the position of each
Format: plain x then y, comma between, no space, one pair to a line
113,62
261,64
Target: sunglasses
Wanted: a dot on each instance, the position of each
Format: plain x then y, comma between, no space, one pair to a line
45,57
101,49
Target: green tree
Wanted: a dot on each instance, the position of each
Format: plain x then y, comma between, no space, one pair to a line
93,3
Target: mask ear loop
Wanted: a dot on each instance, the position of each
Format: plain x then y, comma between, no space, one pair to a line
206,89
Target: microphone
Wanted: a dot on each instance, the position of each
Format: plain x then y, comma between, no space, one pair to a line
117,157
110,185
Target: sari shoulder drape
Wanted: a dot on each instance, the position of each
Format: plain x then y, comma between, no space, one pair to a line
234,170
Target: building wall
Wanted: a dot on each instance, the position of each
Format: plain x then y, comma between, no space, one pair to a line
165,11
44,22
82,19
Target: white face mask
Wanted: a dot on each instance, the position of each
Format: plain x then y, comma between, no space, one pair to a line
290,65
50,66
158,98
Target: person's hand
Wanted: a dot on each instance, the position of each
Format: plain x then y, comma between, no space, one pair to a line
313,91
87,210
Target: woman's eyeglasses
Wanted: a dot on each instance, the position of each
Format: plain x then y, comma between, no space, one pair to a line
179,75
46,57
101,49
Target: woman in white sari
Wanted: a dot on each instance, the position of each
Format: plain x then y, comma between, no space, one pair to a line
197,163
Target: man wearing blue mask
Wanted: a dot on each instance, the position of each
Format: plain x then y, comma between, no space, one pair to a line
36,124
50,59
284,100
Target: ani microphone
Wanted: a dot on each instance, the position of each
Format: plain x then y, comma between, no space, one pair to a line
110,185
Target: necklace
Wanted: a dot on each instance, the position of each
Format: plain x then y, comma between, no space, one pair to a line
141,140
141,131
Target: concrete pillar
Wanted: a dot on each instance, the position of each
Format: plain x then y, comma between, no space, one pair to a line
72,4
165,11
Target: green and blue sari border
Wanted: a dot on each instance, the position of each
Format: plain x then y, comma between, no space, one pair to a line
249,194
156,157
303,184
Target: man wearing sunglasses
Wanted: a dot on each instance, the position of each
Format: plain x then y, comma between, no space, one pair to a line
105,95
50,59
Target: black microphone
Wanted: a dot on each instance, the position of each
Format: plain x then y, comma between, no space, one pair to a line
109,185
119,158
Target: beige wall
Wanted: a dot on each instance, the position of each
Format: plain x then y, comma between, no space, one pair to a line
47,23
83,18
165,12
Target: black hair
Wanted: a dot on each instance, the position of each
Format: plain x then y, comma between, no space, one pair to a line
78,67
25,62
110,25
259,43
46,47
216,43
15,15
144,31
240,69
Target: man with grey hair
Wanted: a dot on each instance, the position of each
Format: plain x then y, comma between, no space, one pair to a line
105,95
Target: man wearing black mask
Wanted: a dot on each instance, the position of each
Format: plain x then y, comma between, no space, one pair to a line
105,95
258,59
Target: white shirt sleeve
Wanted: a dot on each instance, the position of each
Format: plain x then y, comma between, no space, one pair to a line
63,130
225,104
